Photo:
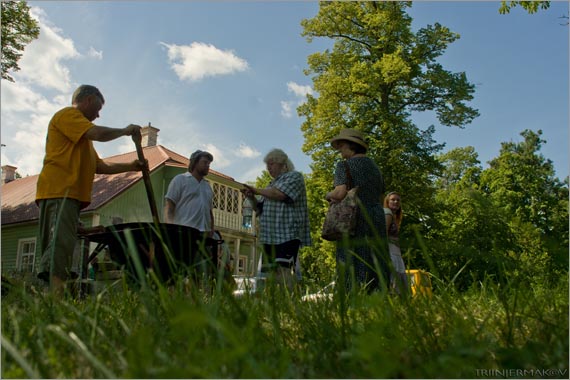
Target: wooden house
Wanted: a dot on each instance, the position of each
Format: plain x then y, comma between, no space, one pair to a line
122,198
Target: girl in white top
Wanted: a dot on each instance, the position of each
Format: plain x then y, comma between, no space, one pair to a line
394,215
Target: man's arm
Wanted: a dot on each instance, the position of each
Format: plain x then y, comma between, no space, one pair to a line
118,167
269,193
168,211
103,134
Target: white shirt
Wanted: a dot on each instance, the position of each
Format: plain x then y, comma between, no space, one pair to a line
192,201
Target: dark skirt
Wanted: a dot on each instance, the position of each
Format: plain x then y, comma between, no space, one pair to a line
363,259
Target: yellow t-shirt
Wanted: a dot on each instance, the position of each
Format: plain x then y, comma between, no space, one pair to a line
70,161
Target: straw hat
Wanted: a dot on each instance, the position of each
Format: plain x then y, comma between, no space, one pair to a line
350,135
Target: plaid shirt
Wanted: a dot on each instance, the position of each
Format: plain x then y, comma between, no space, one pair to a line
282,221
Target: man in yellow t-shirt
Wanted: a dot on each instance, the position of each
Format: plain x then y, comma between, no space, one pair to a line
66,180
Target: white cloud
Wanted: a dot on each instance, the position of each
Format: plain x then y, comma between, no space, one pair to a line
41,62
126,146
97,54
300,93
287,109
199,60
245,151
32,143
221,160
18,98
299,90
25,117
26,106
25,111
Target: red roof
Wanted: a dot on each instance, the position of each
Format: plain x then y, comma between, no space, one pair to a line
18,196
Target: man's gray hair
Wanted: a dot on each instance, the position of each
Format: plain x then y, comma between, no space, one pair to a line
84,91
280,157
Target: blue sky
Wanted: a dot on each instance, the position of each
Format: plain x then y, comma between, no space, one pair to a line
227,77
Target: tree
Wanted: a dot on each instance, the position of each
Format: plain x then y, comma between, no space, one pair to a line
470,233
530,6
521,182
461,168
263,180
18,30
376,75
469,236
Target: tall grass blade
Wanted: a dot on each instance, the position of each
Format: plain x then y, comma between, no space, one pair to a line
12,350
74,341
136,261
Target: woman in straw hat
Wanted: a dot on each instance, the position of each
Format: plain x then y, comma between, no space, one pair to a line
364,258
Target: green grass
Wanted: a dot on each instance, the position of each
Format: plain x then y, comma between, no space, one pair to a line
163,332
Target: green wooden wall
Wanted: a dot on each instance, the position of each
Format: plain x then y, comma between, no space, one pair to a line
11,235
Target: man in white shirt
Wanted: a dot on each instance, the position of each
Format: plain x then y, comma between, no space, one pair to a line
189,199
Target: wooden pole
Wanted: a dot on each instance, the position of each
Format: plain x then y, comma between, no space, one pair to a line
146,178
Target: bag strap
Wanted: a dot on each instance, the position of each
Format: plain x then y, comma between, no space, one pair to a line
348,176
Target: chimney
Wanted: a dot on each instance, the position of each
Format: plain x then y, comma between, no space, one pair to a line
149,135
8,173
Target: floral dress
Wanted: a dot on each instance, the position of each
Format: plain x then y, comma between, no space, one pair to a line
364,257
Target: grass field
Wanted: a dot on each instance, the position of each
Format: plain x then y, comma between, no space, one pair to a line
159,332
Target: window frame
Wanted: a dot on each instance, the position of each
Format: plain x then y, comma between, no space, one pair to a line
21,255
242,264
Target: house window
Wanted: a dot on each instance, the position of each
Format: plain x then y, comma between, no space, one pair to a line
219,196
26,255
216,191
242,264
233,201
236,201
226,198
223,198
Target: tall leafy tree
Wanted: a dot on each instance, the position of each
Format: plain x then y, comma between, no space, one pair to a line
18,30
470,236
522,182
375,76
509,222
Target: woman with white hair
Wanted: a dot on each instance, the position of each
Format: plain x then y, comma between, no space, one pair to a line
283,214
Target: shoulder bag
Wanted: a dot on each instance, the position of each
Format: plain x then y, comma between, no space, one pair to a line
341,217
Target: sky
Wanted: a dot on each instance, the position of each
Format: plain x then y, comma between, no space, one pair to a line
227,76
